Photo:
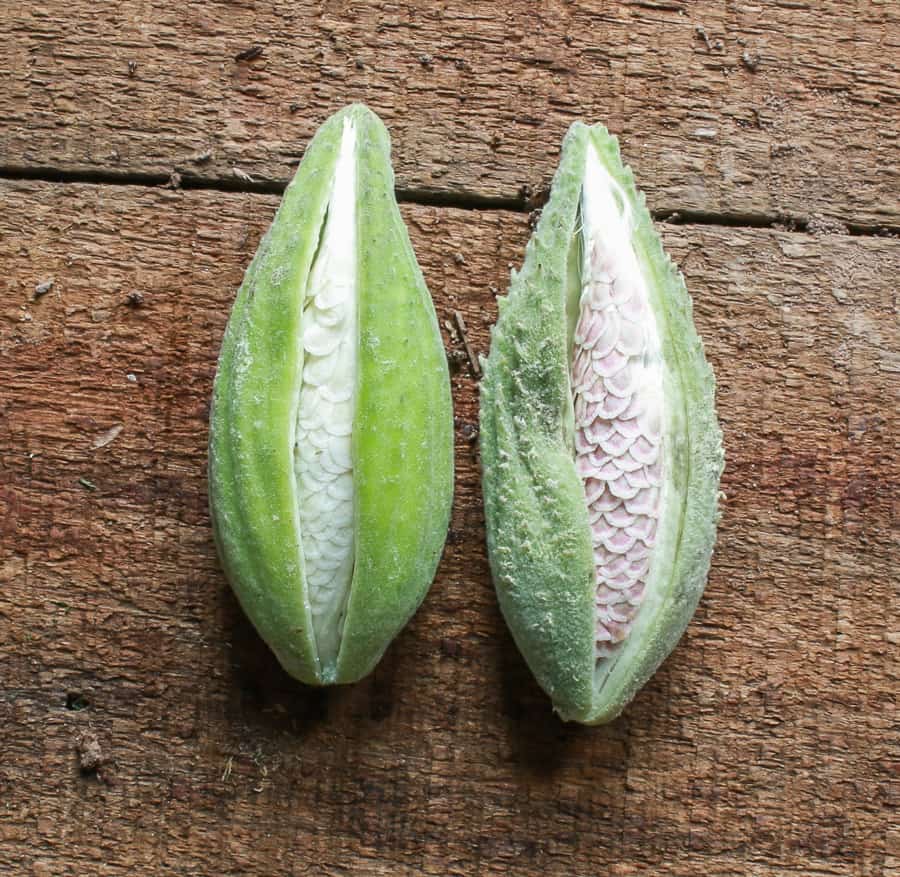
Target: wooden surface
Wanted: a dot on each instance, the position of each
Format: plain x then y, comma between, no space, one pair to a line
147,730
752,109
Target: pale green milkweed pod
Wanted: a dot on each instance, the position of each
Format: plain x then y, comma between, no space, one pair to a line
601,451
331,433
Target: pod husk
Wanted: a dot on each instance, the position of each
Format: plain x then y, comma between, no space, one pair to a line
402,443
538,533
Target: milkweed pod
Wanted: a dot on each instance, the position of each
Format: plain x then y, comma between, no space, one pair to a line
331,435
601,452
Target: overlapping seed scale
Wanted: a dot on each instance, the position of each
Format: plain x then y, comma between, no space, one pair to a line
323,462
617,445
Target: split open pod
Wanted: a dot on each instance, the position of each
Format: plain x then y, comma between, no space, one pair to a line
331,434
601,451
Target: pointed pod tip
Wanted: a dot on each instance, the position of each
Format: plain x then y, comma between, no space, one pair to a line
359,111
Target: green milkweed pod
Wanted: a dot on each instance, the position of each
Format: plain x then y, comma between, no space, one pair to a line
331,433
601,452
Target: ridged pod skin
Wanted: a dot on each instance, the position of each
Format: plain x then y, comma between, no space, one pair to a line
398,443
554,523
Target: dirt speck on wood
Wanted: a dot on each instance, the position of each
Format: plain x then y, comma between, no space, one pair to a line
90,753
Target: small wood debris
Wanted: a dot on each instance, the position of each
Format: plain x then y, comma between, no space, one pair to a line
249,54
473,359
711,45
107,437
469,432
455,360
42,289
90,753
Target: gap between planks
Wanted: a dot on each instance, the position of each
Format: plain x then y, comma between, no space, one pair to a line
521,203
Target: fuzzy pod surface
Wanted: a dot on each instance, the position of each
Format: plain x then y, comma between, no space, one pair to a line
331,431
601,450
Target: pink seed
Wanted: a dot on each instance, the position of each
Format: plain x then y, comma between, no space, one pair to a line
629,427
615,444
583,442
637,552
599,430
654,472
581,368
638,478
610,364
609,471
602,333
636,593
611,406
622,383
621,581
622,489
627,463
605,501
645,451
616,540
643,528
599,458
617,616
618,517
618,563
637,569
644,503
593,490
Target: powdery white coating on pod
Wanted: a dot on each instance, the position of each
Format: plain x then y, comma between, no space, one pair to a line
331,445
601,452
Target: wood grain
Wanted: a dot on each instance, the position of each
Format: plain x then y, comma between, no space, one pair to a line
148,730
743,109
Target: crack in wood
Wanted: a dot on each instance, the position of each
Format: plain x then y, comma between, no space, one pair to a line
461,200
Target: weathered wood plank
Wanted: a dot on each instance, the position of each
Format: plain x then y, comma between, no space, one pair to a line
763,746
740,108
